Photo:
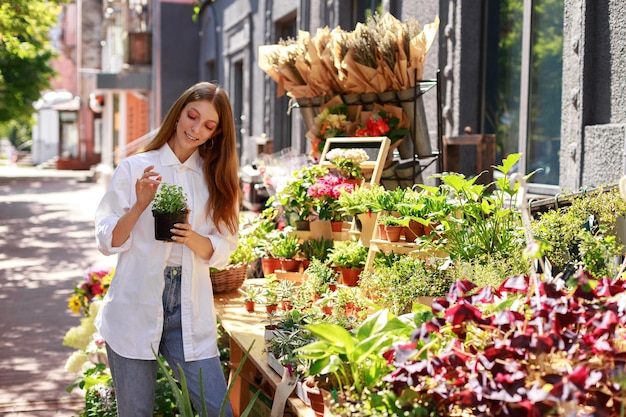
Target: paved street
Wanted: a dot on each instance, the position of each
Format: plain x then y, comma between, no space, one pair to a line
46,243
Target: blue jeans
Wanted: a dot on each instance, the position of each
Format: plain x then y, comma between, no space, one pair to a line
135,379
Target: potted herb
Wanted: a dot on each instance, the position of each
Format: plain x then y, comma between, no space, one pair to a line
349,256
361,205
169,207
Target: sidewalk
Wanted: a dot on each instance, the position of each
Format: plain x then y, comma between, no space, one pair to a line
46,244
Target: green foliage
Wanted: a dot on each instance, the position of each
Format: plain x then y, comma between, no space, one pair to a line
487,269
478,222
348,254
389,220
169,198
361,200
398,285
252,293
181,393
354,359
317,278
25,55
317,248
100,401
581,234
283,246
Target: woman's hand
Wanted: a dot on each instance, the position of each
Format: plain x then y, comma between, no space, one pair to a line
146,187
184,234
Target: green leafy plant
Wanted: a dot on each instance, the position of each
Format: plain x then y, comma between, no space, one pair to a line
348,254
480,222
361,200
284,246
317,248
317,278
170,198
354,359
389,220
252,293
181,393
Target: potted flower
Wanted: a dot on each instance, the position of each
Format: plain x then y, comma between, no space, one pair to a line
349,256
293,197
325,193
348,162
169,207
285,290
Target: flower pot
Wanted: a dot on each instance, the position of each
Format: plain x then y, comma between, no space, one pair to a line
393,232
315,397
336,227
321,229
286,305
328,310
270,265
382,232
413,231
290,265
303,225
163,222
250,306
271,308
368,222
350,276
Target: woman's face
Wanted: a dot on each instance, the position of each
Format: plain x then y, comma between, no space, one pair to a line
197,123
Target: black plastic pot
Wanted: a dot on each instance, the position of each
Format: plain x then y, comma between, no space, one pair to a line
163,222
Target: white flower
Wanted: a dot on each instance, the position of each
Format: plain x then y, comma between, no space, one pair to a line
76,361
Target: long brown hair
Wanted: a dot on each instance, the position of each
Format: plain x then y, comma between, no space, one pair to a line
221,163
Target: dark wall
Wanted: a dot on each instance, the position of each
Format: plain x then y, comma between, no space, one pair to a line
179,57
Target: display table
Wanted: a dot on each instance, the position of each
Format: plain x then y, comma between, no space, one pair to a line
243,329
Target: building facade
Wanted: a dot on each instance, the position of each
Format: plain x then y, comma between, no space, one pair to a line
542,76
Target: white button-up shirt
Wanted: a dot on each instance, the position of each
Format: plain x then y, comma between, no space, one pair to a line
131,316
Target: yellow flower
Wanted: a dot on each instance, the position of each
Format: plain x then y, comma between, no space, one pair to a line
74,303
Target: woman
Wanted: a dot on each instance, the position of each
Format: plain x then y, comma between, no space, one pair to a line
161,298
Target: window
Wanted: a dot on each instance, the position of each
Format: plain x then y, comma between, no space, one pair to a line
523,91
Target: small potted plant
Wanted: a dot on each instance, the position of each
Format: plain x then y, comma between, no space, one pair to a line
348,162
169,207
392,227
317,248
349,256
252,294
286,248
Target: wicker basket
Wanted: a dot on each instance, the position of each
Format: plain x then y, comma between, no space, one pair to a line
229,278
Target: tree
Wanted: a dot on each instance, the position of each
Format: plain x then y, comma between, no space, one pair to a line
25,54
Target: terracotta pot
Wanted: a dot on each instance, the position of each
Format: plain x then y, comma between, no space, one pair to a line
413,231
315,397
328,310
270,265
290,265
250,306
393,233
382,232
286,305
271,308
336,227
350,276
